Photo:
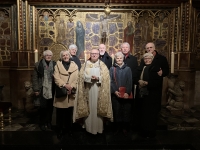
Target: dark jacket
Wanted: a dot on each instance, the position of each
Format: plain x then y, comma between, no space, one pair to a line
159,61
38,75
131,62
106,59
154,86
77,61
122,76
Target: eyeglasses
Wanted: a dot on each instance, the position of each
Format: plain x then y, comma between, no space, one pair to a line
94,53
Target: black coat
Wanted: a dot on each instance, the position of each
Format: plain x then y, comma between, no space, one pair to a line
122,76
159,61
148,107
131,62
77,61
106,59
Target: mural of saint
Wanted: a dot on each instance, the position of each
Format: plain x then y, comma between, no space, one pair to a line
61,31
129,35
80,38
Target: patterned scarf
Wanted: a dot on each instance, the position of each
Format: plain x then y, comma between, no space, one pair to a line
47,80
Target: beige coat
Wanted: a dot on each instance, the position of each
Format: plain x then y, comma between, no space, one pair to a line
61,77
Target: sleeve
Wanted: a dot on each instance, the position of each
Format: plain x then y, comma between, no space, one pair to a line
58,81
87,78
112,80
165,67
128,81
75,76
134,71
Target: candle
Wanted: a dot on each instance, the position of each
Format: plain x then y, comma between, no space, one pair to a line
85,55
172,62
36,55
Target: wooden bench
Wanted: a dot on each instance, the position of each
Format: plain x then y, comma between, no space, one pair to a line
4,107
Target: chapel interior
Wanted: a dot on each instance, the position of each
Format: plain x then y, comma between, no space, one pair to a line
29,27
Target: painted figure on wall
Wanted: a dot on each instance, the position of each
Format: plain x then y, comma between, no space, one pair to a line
104,26
129,35
61,31
80,38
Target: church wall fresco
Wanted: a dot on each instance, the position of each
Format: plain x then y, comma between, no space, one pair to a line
88,29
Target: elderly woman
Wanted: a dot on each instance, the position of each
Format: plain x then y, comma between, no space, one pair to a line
73,50
121,76
44,87
147,96
65,75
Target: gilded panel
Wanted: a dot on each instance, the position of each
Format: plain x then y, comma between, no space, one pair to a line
5,35
88,29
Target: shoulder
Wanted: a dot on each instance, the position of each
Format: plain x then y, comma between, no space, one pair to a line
74,65
107,55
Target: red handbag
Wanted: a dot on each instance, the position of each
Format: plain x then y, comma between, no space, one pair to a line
122,89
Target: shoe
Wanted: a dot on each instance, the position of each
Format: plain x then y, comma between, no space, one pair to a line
43,128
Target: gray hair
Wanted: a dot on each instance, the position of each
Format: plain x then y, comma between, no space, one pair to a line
47,52
125,43
119,54
148,55
72,46
63,51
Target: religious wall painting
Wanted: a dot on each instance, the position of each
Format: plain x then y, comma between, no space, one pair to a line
129,35
161,25
80,39
197,41
5,35
103,27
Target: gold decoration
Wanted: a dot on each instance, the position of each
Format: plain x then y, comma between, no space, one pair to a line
107,9
71,14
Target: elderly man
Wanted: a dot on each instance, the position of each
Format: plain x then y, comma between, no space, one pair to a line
93,97
73,50
104,56
158,61
130,60
44,87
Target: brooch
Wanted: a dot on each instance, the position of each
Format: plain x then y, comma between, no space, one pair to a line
91,65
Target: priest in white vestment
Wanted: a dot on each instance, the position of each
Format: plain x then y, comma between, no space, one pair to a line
93,96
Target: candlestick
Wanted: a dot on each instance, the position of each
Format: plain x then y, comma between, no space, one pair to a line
36,55
172,62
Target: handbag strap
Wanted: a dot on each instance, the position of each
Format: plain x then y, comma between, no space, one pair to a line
114,73
141,76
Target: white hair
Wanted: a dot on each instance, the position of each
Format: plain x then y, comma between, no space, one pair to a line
125,43
47,52
63,51
119,54
148,55
72,46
